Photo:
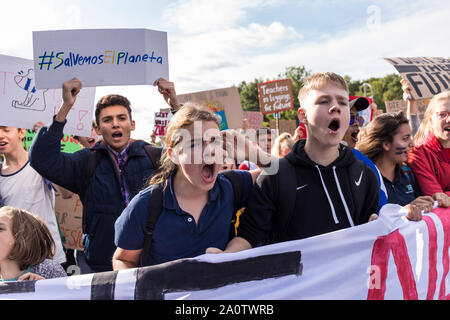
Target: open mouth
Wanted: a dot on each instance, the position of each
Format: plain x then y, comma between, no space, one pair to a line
208,173
447,129
354,136
334,126
117,135
2,144
91,141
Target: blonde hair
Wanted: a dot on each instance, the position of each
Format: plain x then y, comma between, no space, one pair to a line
319,80
33,242
187,115
426,125
284,139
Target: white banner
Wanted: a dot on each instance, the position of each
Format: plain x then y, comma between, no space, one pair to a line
100,57
390,258
23,104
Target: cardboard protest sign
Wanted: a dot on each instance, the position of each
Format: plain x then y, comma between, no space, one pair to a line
275,96
400,105
23,104
100,57
161,121
255,119
69,213
68,143
225,103
428,76
288,126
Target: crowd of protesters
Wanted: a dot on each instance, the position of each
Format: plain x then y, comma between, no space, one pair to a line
145,205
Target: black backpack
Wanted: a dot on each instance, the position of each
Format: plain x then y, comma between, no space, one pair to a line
155,209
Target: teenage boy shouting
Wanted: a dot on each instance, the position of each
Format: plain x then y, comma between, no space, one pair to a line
121,168
320,186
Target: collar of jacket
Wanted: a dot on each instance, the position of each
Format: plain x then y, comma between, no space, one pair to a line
435,146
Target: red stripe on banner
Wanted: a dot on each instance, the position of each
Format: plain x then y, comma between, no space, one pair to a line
380,257
445,219
432,257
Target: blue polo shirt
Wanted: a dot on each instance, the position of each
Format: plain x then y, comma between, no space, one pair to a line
176,234
403,189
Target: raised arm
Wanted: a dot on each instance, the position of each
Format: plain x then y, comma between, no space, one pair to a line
167,89
65,170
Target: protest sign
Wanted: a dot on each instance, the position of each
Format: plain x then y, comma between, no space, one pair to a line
23,104
225,103
401,105
69,213
428,76
255,119
389,258
68,143
161,121
275,96
100,57
284,126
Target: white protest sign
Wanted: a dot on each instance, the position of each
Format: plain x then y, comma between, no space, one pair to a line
100,57
161,120
23,104
389,258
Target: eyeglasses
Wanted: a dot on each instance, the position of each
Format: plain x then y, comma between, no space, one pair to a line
356,118
443,114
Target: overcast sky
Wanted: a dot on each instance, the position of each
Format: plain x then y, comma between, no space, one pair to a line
216,44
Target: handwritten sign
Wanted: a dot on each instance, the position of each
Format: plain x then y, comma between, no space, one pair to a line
68,143
275,96
390,258
23,104
225,103
255,119
428,76
400,105
100,57
161,121
69,213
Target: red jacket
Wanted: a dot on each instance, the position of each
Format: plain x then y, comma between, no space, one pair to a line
431,166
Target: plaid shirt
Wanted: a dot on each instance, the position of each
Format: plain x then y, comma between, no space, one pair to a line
121,159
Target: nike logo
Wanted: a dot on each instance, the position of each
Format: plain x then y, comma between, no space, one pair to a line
302,187
359,180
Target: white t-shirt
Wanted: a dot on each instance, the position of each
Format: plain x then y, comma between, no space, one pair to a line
27,190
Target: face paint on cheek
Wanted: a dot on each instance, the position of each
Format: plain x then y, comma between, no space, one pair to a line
400,149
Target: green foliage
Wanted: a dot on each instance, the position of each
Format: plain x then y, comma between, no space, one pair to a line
386,88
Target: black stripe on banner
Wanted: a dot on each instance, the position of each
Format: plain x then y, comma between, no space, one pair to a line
103,285
406,68
17,287
192,275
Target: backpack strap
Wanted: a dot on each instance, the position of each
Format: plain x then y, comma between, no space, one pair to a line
287,188
93,161
154,154
236,182
154,211
238,190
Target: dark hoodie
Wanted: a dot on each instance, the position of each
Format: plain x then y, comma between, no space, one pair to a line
304,199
